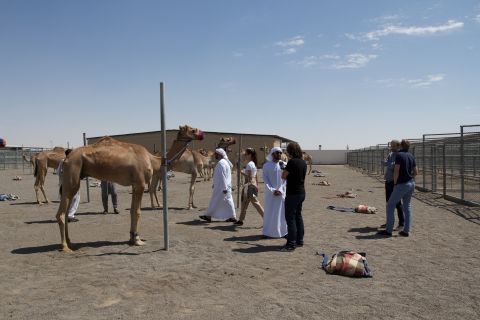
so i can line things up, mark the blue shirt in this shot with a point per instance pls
(407, 162)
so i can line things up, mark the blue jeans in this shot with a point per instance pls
(293, 216)
(404, 192)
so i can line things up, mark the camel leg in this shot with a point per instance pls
(192, 190)
(137, 193)
(153, 190)
(62, 221)
(44, 194)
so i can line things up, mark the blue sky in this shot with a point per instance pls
(319, 72)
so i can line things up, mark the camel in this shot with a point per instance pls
(41, 162)
(127, 164)
(208, 163)
(308, 160)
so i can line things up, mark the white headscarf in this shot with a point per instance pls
(222, 152)
(274, 149)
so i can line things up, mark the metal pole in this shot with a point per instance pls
(462, 165)
(164, 169)
(238, 171)
(86, 179)
(423, 163)
(444, 172)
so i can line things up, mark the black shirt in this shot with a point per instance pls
(407, 162)
(297, 170)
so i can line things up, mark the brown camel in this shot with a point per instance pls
(308, 160)
(41, 162)
(208, 163)
(127, 164)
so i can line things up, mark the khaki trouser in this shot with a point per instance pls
(246, 199)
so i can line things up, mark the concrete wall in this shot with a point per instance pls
(328, 156)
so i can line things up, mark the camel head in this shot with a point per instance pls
(188, 133)
(226, 142)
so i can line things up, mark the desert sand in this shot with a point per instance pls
(217, 271)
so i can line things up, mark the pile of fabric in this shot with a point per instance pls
(9, 196)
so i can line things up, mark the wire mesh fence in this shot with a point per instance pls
(18, 158)
(448, 163)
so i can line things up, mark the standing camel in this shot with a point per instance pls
(308, 159)
(41, 162)
(179, 159)
(127, 164)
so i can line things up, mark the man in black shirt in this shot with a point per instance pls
(294, 173)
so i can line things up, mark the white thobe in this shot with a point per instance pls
(274, 224)
(72, 209)
(221, 205)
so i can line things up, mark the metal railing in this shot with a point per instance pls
(12, 158)
(448, 163)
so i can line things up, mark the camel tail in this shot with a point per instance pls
(35, 168)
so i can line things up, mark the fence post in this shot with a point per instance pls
(444, 172)
(423, 162)
(462, 165)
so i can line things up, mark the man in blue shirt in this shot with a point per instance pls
(404, 173)
(389, 164)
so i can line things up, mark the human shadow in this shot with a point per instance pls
(257, 248)
(363, 229)
(194, 223)
(41, 221)
(75, 246)
(374, 236)
(230, 228)
(255, 237)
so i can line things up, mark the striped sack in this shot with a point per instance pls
(346, 263)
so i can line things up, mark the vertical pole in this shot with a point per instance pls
(238, 171)
(86, 179)
(444, 172)
(423, 163)
(164, 169)
(462, 165)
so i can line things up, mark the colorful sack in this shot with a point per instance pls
(346, 263)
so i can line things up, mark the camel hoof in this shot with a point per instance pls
(66, 249)
(139, 242)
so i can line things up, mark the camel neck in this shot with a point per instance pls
(176, 150)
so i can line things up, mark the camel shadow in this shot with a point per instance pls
(76, 246)
(245, 238)
(257, 248)
(24, 203)
(364, 229)
(374, 236)
(41, 221)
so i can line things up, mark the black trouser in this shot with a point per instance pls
(293, 216)
(388, 192)
(108, 188)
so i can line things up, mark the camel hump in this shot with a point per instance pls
(106, 140)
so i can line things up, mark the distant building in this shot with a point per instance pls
(262, 143)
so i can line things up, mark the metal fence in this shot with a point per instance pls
(448, 163)
(13, 158)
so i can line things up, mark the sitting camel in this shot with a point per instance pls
(127, 164)
(41, 162)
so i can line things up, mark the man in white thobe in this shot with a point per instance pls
(221, 205)
(76, 198)
(274, 223)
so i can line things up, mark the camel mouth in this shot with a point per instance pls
(199, 135)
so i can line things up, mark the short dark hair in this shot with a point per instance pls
(294, 150)
(405, 144)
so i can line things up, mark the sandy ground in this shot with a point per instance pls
(216, 271)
